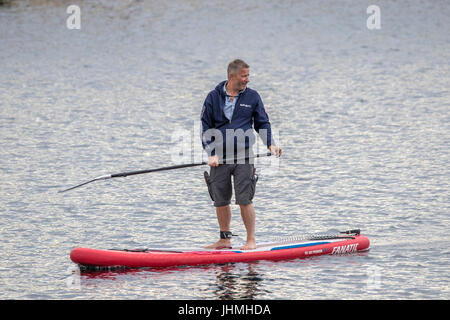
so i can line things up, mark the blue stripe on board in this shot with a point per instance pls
(299, 245)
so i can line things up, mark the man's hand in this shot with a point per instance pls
(213, 161)
(275, 150)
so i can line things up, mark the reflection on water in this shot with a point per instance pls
(242, 281)
(231, 285)
(232, 281)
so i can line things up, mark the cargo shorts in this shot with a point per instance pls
(220, 186)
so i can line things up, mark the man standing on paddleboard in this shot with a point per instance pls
(230, 113)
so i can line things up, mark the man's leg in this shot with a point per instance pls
(221, 189)
(244, 185)
(224, 219)
(248, 216)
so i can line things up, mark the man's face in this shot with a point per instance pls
(241, 79)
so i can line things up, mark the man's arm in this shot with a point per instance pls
(208, 123)
(264, 129)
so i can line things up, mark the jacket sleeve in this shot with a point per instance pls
(262, 123)
(207, 123)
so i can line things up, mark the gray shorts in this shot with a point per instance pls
(220, 188)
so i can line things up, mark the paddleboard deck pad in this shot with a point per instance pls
(290, 248)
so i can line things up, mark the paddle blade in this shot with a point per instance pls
(84, 183)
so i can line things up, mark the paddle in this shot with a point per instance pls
(179, 166)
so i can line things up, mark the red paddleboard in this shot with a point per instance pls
(296, 247)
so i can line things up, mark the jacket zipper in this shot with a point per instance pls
(235, 106)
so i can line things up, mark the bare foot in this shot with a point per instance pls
(249, 245)
(221, 244)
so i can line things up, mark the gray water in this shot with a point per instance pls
(363, 117)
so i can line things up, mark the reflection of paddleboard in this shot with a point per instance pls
(291, 248)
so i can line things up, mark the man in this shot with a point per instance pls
(229, 113)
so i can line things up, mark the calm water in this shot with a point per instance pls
(363, 117)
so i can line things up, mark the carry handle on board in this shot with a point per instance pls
(354, 231)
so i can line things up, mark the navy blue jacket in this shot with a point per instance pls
(248, 113)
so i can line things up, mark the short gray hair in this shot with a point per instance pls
(236, 65)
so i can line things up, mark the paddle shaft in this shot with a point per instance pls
(179, 166)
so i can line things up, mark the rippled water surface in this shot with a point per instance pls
(363, 117)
